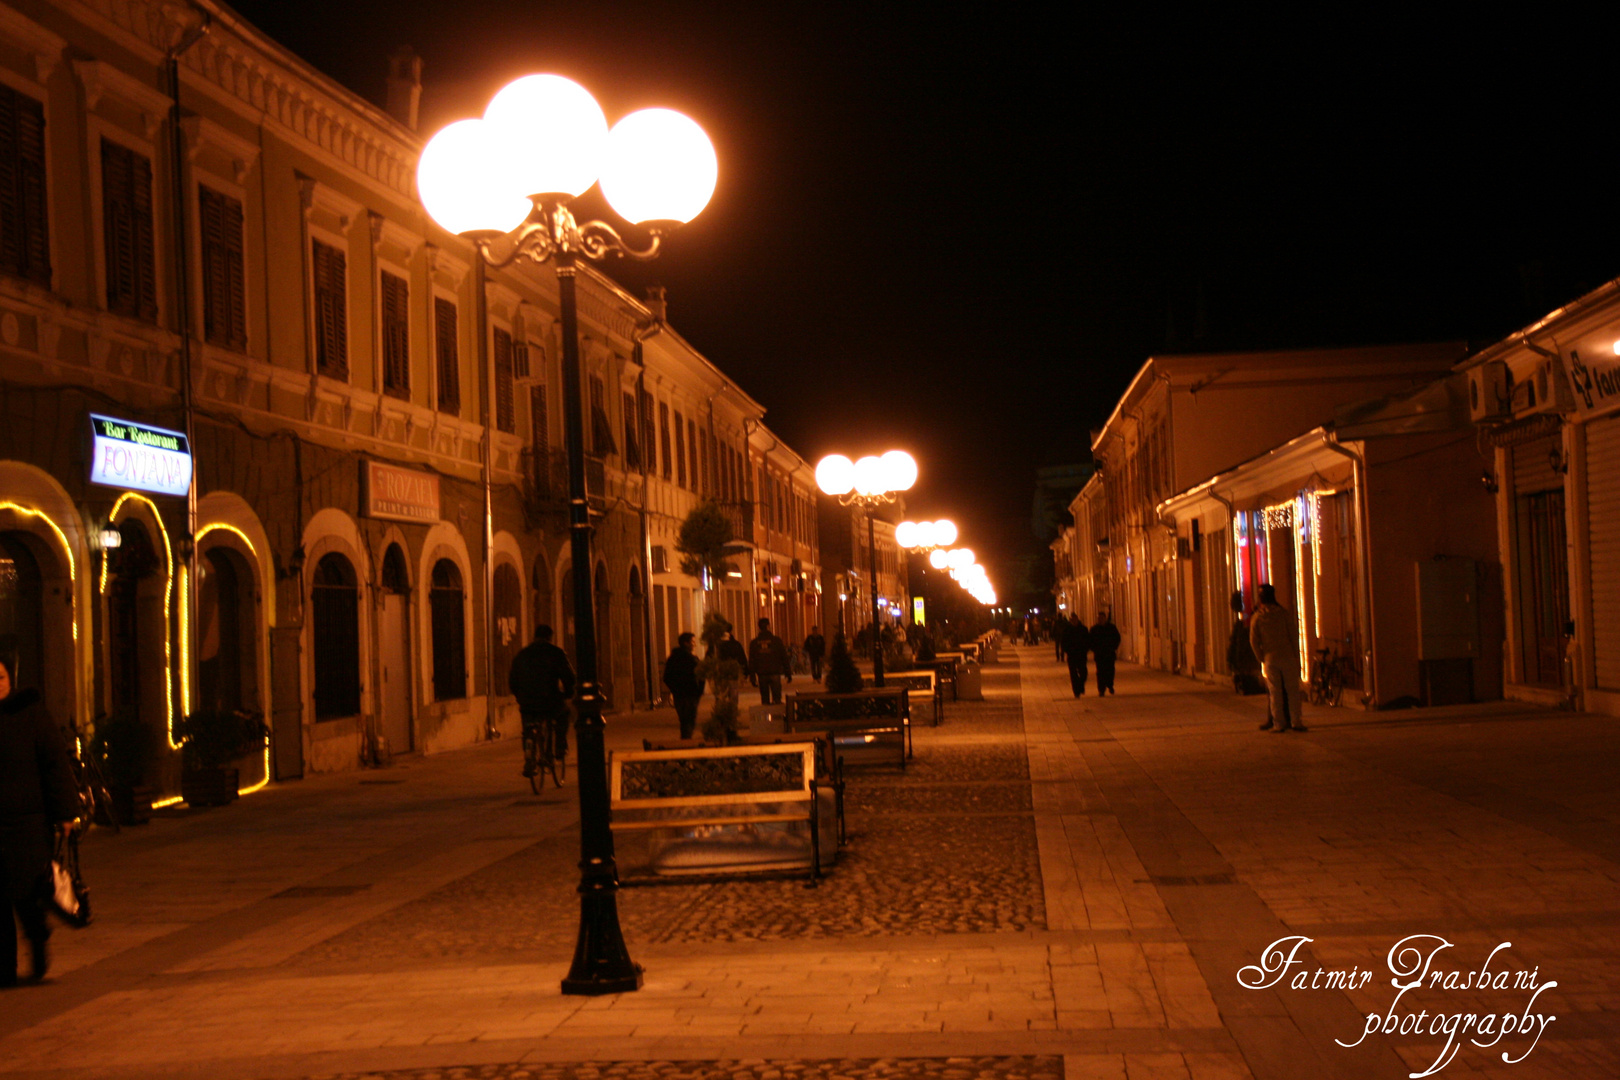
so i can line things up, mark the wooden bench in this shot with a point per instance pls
(922, 680)
(867, 727)
(731, 809)
(829, 766)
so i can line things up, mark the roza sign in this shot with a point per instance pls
(139, 457)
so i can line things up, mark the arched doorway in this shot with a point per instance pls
(508, 609)
(227, 638)
(447, 607)
(136, 629)
(394, 644)
(638, 636)
(335, 641)
(22, 611)
(604, 634)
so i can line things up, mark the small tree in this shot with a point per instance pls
(702, 540)
(724, 677)
(843, 677)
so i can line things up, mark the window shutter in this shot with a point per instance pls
(649, 430)
(224, 294)
(520, 359)
(505, 408)
(680, 449)
(330, 271)
(118, 227)
(601, 434)
(145, 272)
(396, 313)
(444, 341)
(25, 248)
(539, 427)
(632, 445)
(235, 273)
(666, 463)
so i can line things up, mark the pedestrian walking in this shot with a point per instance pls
(542, 680)
(1104, 648)
(1275, 637)
(1061, 633)
(768, 664)
(1076, 643)
(37, 798)
(680, 675)
(815, 650)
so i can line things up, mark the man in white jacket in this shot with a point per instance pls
(1275, 637)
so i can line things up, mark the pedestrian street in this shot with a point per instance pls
(1054, 887)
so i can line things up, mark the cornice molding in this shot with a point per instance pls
(43, 45)
(102, 80)
(203, 134)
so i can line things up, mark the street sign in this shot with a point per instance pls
(395, 494)
(139, 457)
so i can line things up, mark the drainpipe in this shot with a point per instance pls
(1330, 441)
(641, 334)
(182, 253)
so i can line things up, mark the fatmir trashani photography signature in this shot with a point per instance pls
(1413, 965)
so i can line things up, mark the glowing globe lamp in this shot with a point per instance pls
(553, 132)
(939, 559)
(465, 184)
(899, 471)
(944, 533)
(869, 476)
(659, 166)
(835, 474)
(905, 534)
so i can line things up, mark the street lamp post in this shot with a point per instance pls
(505, 183)
(868, 483)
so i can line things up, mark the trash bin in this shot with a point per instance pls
(968, 686)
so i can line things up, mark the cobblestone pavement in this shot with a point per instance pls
(1054, 886)
(959, 1068)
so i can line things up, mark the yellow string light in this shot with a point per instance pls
(220, 526)
(67, 549)
(168, 602)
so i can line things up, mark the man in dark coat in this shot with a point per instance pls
(1105, 647)
(1076, 643)
(680, 675)
(815, 649)
(768, 664)
(37, 793)
(542, 680)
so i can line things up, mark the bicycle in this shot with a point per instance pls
(1329, 673)
(95, 797)
(540, 751)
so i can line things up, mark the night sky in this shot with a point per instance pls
(961, 229)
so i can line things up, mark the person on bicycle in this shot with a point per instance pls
(37, 793)
(542, 680)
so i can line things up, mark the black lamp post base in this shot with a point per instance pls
(604, 984)
(602, 964)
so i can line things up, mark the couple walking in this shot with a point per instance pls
(1101, 640)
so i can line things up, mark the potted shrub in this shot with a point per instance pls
(843, 677)
(724, 676)
(126, 750)
(211, 744)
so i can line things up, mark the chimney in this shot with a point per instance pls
(657, 304)
(405, 85)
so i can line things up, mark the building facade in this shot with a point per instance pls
(1547, 404)
(213, 267)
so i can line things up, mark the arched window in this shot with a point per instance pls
(335, 608)
(447, 606)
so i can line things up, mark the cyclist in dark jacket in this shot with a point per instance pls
(37, 793)
(542, 680)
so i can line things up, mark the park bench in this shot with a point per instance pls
(945, 665)
(725, 810)
(829, 766)
(866, 727)
(919, 681)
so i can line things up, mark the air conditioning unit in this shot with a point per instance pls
(1552, 393)
(660, 559)
(1490, 392)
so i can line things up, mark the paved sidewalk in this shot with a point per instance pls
(1055, 887)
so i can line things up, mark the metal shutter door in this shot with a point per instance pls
(1532, 466)
(1603, 538)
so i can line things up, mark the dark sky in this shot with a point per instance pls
(960, 228)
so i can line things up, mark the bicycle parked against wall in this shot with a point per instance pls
(544, 750)
(1329, 674)
(94, 795)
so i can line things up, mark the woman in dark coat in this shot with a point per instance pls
(36, 793)
(1104, 648)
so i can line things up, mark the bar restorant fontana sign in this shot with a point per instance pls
(1594, 376)
(139, 457)
(396, 494)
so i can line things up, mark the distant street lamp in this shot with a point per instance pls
(869, 483)
(923, 536)
(504, 183)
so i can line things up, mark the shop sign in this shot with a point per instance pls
(139, 457)
(1594, 376)
(396, 494)
(918, 613)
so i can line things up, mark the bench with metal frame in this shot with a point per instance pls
(944, 666)
(867, 726)
(922, 680)
(714, 788)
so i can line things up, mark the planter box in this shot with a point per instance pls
(209, 787)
